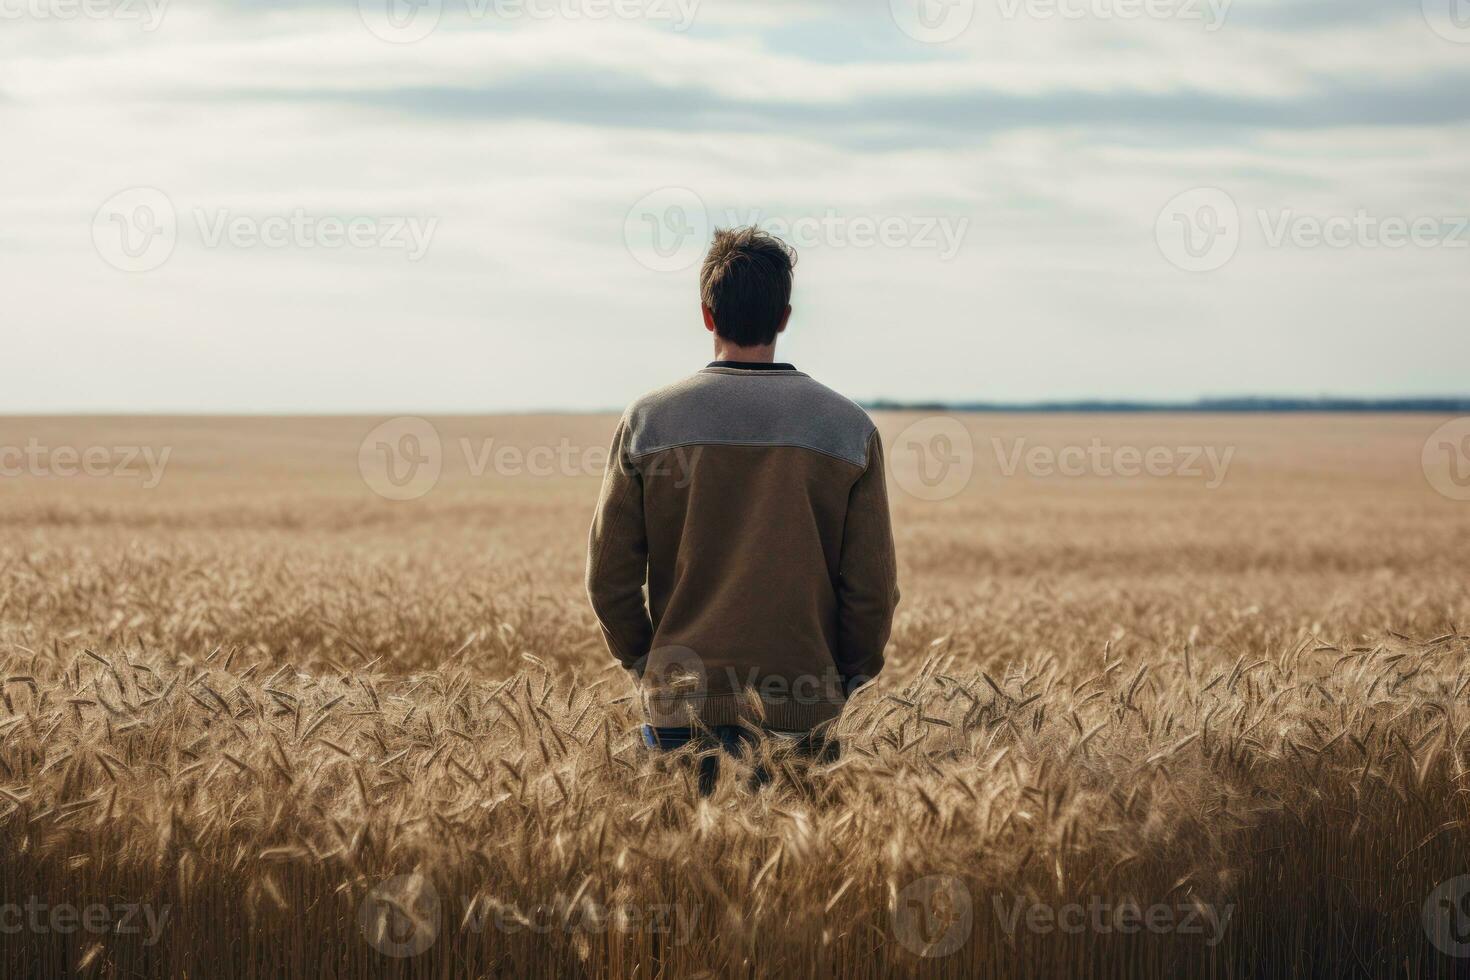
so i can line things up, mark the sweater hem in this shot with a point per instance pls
(736, 709)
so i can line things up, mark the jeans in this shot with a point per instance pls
(733, 740)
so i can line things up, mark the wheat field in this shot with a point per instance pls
(258, 720)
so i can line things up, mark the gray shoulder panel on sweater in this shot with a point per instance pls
(750, 408)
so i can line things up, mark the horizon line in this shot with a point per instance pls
(1265, 404)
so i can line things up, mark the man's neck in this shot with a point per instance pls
(744, 355)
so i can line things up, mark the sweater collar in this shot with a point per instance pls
(752, 366)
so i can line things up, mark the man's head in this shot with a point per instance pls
(745, 286)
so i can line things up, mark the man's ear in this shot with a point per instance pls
(709, 318)
(785, 319)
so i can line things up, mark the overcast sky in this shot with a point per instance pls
(480, 205)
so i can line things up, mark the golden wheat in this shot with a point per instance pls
(275, 726)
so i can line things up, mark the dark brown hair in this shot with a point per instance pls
(746, 283)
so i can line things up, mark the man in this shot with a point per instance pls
(749, 501)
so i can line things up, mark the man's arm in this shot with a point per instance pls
(867, 587)
(617, 559)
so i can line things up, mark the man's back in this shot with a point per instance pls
(750, 501)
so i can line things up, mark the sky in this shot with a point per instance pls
(500, 205)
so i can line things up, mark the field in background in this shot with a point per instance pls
(304, 730)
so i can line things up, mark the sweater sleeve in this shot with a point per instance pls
(867, 588)
(617, 559)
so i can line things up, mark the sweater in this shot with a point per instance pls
(741, 562)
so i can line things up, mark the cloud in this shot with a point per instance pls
(888, 122)
(1055, 141)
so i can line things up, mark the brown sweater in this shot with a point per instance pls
(741, 561)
